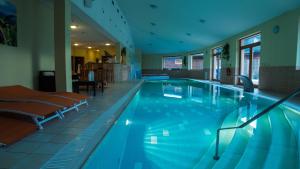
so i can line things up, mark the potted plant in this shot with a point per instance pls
(225, 52)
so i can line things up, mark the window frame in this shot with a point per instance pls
(163, 62)
(191, 61)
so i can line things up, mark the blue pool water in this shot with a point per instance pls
(170, 124)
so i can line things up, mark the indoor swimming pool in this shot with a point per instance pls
(171, 124)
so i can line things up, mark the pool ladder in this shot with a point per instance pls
(257, 116)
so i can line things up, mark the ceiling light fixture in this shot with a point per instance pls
(153, 24)
(73, 27)
(76, 44)
(107, 44)
(98, 50)
(153, 6)
(89, 47)
(202, 20)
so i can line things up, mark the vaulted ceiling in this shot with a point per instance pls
(168, 26)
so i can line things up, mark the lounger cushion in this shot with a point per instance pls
(13, 128)
(30, 109)
(70, 95)
(21, 92)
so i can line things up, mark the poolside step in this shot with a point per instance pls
(293, 117)
(283, 149)
(258, 146)
(235, 149)
(270, 142)
(207, 160)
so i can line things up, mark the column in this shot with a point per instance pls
(118, 52)
(62, 45)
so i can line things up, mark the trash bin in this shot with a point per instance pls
(47, 81)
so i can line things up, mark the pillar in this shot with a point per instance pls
(118, 52)
(62, 45)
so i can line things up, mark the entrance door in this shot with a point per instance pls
(250, 50)
(217, 64)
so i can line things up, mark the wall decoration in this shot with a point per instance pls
(8, 23)
(184, 60)
(276, 29)
(88, 3)
(123, 55)
(225, 51)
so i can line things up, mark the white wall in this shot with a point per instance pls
(19, 65)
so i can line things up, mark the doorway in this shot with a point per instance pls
(216, 63)
(250, 52)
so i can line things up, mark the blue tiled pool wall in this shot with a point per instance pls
(113, 146)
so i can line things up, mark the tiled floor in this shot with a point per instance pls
(33, 151)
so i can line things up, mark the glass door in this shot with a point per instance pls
(245, 62)
(217, 64)
(250, 50)
(255, 64)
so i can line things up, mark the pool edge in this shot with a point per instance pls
(76, 152)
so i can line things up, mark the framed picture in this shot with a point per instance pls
(8, 23)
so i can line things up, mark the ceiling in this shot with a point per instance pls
(169, 26)
(87, 35)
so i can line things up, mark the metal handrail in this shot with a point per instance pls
(247, 83)
(293, 94)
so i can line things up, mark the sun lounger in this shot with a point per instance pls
(81, 99)
(38, 112)
(14, 128)
(22, 91)
(23, 94)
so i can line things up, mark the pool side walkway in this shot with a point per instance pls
(35, 150)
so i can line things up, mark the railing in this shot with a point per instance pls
(293, 94)
(247, 83)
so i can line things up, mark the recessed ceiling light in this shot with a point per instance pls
(73, 27)
(98, 50)
(76, 44)
(89, 47)
(153, 6)
(202, 20)
(107, 44)
(153, 24)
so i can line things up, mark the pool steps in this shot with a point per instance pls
(258, 146)
(206, 160)
(272, 144)
(293, 117)
(283, 148)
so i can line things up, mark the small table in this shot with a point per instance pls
(78, 83)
